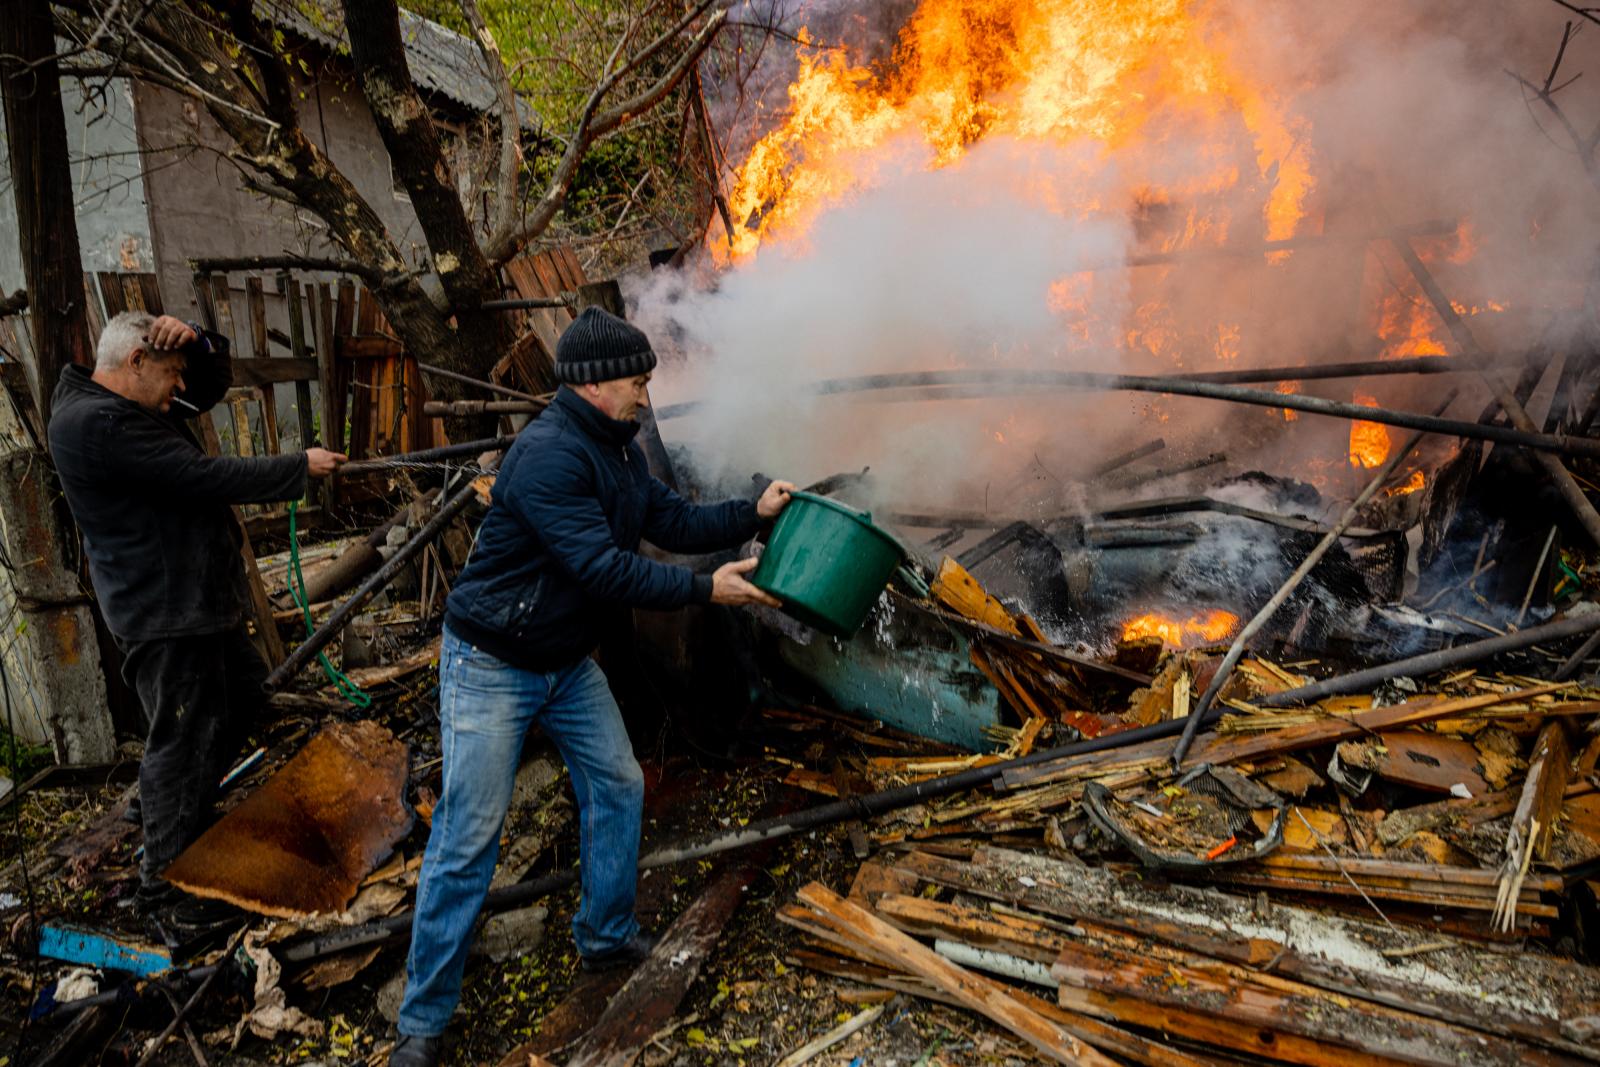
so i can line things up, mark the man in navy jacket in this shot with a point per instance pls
(163, 552)
(557, 553)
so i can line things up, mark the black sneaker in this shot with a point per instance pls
(629, 954)
(151, 897)
(415, 1051)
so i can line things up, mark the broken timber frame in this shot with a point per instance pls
(1570, 492)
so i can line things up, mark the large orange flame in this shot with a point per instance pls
(1369, 441)
(1205, 628)
(1112, 72)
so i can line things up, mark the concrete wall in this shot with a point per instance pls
(200, 206)
(113, 219)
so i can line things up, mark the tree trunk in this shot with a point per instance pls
(42, 183)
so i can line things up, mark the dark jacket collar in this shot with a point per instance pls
(593, 421)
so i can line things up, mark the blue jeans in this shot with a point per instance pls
(485, 709)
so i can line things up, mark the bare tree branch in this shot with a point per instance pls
(510, 125)
(1585, 12)
(592, 125)
(1584, 147)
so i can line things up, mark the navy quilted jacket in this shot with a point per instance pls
(558, 550)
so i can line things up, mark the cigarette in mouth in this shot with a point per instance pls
(185, 403)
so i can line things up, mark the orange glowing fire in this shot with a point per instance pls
(1409, 486)
(1206, 628)
(1369, 441)
(1098, 71)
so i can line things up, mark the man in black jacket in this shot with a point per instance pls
(164, 557)
(557, 553)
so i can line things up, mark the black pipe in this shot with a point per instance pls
(1429, 662)
(376, 581)
(493, 387)
(527, 305)
(427, 455)
(1084, 380)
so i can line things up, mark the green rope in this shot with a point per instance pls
(297, 589)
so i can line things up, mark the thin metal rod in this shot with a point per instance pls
(427, 455)
(1270, 608)
(1533, 581)
(366, 590)
(465, 379)
(1430, 662)
(1093, 382)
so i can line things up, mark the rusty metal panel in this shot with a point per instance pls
(302, 843)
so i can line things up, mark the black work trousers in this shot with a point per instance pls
(201, 695)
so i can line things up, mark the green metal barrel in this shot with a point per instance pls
(827, 562)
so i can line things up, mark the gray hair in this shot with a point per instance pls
(126, 331)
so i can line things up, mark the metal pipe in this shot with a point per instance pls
(464, 379)
(529, 305)
(441, 408)
(379, 578)
(427, 455)
(1429, 662)
(1089, 381)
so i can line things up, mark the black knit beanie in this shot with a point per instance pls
(599, 347)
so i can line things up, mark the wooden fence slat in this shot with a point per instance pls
(260, 348)
(328, 380)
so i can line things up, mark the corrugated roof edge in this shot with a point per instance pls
(442, 61)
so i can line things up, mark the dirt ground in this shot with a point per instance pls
(750, 1004)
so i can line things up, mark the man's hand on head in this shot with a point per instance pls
(730, 586)
(168, 334)
(774, 499)
(320, 462)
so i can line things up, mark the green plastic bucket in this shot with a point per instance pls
(827, 562)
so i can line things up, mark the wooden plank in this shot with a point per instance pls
(111, 293)
(256, 328)
(1246, 999)
(973, 991)
(330, 388)
(263, 372)
(1418, 759)
(651, 997)
(367, 346)
(344, 318)
(133, 293)
(574, 270)
(1215, 748)
(150, 292)
(1134, 1047)
(1082, 894)
(1529, 834)
(305, 415)
(93, 307)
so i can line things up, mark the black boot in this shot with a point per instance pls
(629, 954)
(415, 1051)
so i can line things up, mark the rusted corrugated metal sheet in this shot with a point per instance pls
(302, 843)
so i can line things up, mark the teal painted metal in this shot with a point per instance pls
(907, 668)
(78, 944)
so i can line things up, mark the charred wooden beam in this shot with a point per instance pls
(1565, 484)
(1528, 836)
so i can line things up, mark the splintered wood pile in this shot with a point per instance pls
(1374, 878)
